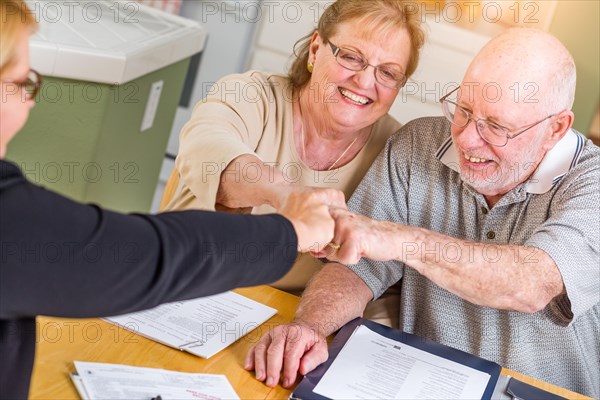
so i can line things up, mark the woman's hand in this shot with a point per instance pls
(311, 219)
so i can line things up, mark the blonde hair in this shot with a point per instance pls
(378, 15)
(15, 17)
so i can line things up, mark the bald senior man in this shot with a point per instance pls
(486, 218)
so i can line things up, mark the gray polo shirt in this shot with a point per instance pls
(415, 181)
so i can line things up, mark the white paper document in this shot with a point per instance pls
(202, 326)
(372, 366)
(99, 381)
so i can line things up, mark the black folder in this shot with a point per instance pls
(304, 391)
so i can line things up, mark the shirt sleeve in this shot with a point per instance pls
(382, 195)
(62, 258)
(227, 123)
(571, 237)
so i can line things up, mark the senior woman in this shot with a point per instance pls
(158, 267)
(258, 137)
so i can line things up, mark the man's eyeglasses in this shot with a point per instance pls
(491, 132)
(389, 75)
(31, 85)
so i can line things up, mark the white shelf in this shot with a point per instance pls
(109, 41)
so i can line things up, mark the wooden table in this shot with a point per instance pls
(62, 341)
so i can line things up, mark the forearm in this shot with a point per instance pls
(249, 182)
(163, 258)
(508, 277)
(335, 296)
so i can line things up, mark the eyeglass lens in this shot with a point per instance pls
(490, 132)
(32, 84)
(387, 75)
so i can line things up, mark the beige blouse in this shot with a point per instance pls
(251, 113)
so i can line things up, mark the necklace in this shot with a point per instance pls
(304, 147)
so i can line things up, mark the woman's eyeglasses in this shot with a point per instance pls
(31, 85)
(389, 75)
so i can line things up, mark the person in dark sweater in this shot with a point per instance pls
(61, 258)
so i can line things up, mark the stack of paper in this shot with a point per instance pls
(202, 326)
(112, 381)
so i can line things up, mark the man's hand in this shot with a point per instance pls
(311, 219)
(357, 236)
(333, 297)
(293, 348)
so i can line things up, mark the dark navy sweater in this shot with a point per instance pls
(64, 259)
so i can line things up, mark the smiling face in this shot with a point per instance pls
(508, 84)
(354, 99)
(491, 170)
(14, 106)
